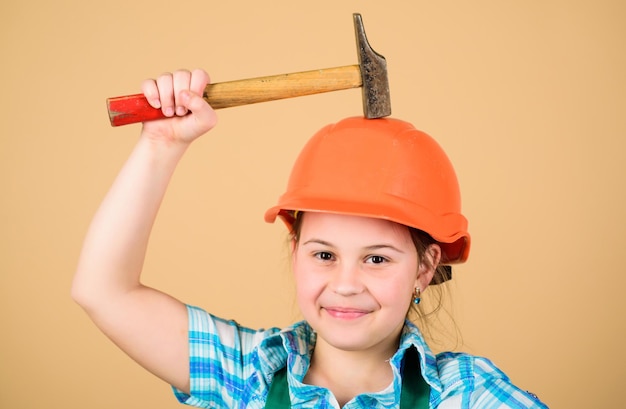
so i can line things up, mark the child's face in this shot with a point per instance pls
(355, 278)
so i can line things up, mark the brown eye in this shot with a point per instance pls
(376, 259)
(324, 255)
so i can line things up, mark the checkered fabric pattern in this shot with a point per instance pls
(232, 367)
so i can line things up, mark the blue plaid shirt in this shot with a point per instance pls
(232, 367)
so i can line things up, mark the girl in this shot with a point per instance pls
(373, 208)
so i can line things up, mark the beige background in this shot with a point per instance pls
(528, 99)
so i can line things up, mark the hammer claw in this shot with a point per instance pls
(376, 98)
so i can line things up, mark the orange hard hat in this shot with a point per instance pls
(381, 168)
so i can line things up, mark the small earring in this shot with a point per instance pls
(417, 296)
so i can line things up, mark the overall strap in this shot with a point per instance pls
(415, 391)
(278, 396)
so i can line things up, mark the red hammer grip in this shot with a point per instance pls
(131, 109)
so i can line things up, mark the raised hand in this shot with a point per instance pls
(179, 96)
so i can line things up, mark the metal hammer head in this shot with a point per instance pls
(376, 100)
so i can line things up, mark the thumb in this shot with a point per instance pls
(202, 117)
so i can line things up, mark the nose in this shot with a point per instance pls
(346, 280)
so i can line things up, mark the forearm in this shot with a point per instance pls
(149, 325)
(114, 248)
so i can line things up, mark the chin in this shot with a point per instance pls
(351, 345)
(348, 338)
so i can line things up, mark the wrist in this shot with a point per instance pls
(162, 149)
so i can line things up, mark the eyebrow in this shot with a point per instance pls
(368, 248)
(317, 241)
(384, 246)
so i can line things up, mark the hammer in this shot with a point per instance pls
(370, 74)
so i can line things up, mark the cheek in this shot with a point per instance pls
(308, 292)
(390, 292)
(308, 286)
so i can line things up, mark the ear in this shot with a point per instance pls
(427, 266)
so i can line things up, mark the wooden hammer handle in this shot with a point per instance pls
(135, 108)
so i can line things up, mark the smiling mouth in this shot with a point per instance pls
(345, 313)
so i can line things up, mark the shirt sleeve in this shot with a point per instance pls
(220, 360)
(474, 382)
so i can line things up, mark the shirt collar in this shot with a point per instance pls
(412, 337)
(293, 346)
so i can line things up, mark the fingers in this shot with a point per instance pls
(151, 92)
(181, 80)
(176, 94)
(165, 85)
(165, 91)
(199, 81)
